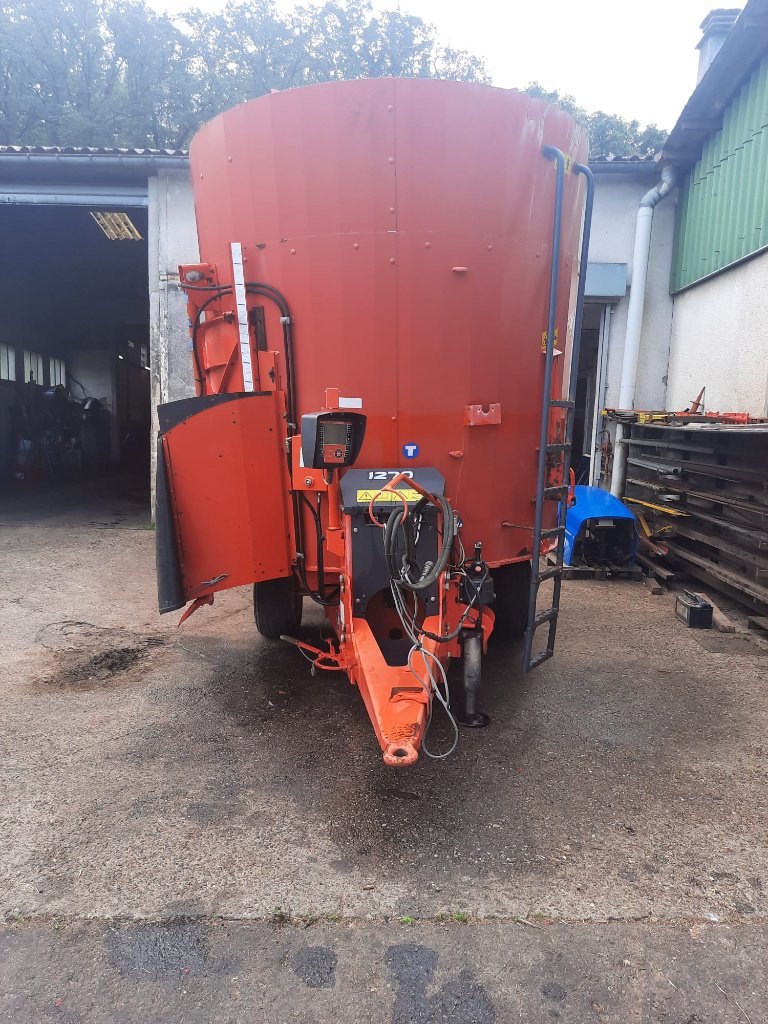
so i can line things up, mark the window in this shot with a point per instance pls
(7, 362)
(33, 367)
(58, 372)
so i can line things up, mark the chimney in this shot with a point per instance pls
(715, 28)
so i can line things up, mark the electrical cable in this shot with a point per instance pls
(320, 597)
(402, 581)
(434, 690)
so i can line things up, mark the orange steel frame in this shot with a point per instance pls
(417, 281)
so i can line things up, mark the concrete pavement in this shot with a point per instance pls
(198, 795)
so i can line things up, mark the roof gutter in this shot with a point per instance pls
(149, 164)
(640, 259)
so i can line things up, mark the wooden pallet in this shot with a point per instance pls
(589, 572)
(715, 479)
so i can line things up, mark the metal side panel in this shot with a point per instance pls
(226, 495)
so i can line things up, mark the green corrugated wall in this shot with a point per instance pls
(722, 212)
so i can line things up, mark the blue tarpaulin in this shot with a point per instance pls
(592, 503)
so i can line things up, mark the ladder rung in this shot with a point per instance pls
(558, 447)
(543, 656)
(549, 574)
(547, 616)
(555, 531)
(554, 491)
(562, 404)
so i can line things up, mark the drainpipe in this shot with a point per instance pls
(635, 318)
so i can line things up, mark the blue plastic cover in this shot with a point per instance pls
(591, 503)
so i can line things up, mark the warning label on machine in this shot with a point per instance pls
(383, 496)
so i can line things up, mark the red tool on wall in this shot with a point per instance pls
(382, 352)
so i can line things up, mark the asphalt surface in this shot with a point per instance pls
(195, 828)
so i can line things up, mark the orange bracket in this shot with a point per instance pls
(477, 416)
(336, 660)
(197, 603)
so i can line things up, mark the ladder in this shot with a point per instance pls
(546, 491)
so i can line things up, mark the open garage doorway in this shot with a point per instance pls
(75, 414)
(590, 393)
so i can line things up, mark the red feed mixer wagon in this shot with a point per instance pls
(384, 331)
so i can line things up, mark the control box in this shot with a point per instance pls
(331, 440)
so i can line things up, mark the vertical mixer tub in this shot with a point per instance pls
(408, 249)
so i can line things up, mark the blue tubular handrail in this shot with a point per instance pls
(551, 153)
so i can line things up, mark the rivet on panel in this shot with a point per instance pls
(355, 245)
(391, 259)
(293, 252)
(229, 158)
(391, 209)
(390, 159)
(427, 245)
(390, 106)
(490, 248)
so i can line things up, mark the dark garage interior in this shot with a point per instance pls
(74, 355)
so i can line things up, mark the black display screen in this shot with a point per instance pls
(335, 432)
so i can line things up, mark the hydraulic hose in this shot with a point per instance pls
(402, 574)
(269, 292)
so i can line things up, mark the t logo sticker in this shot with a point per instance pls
(410, 451)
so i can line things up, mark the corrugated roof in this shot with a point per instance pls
(744, 46)
(114, 151)
(624, 159)
(637, 168)
(89, 151)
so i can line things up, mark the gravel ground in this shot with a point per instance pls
(194, 797)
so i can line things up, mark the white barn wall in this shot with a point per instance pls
(719, 341)
(612, 241)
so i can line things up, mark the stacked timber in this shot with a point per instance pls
(703, 491)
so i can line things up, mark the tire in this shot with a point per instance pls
(277, 607)
(512, 584)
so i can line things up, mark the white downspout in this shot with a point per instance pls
(635, 317)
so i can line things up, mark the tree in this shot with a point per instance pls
(609, 135)
(110, 73)
(116, 73)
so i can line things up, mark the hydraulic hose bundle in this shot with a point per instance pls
(402, 519)
(400, 536)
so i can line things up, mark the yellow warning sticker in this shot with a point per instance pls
(367, 496)
(567, 162)
(544, 339)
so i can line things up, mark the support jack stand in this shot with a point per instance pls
(472, 644)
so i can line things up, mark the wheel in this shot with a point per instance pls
(277, 607)
(512, 584)
(472, 652)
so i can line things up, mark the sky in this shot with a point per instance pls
(635, 58)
